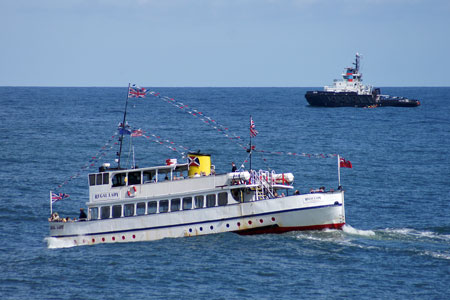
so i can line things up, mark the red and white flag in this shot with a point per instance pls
(171, 161)
(345, 163)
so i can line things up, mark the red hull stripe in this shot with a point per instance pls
(286, 229)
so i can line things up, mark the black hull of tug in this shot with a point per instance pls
(340, 99)
(352, 99)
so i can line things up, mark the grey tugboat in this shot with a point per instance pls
(351, 92)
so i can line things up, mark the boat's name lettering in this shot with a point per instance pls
(57, 227)
(313, 198)
(106, 195)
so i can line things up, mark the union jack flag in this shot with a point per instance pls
(59, 196)
(137, 132)
(136, 92)
(253, 131)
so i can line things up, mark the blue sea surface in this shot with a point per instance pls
(396, 243)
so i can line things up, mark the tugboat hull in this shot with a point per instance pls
(339, 99)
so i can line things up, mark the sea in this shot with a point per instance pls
(395, 244)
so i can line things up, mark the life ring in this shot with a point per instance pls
(132, 191)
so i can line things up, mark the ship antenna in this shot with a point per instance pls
(122, 127)
(357, 62)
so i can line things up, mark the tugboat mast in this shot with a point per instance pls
(356, 63)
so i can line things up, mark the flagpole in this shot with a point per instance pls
(339, 171)
(250, 143)
(51, 204)
(123, 127)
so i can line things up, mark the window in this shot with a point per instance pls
(140, 209)
(128, 210)
(199, 201)
(163, 206)
(223, 198)
(93, 212)
(149, 176)
(99, 179)
(152, 206)
(187, 203)
(210, 200)
(134, 178)
(119, 179)
(91, 179)
(105, 178)
(175, 204)
(237, 194)
(117, 211)
(105, 212)
(163, 175)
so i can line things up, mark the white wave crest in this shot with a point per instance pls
(417, 234)
(353, 231)
(54, 243)
(437, 255)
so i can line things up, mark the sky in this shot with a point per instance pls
(223, 43)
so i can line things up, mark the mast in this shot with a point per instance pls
(250, 149)
(251, 135)
(357, 63)
(123, 128)
(339, 171)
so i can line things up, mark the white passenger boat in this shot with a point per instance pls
(190, 199)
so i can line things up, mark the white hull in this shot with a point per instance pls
(297, 212)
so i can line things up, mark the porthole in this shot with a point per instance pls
(250, 222)
(201, 228)
(261, 221)
(211, 227)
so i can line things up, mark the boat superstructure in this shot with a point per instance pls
(166, 201)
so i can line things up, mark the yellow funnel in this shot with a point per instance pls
(199, 164)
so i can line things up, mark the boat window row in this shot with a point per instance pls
(158, 206)
(139, 177)
(98, 179)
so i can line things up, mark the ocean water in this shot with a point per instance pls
(396, 243)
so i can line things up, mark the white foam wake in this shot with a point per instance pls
(54, 243)
(353, 231)
(408, 233)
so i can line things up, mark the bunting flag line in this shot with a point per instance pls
(159, 140)
(222, 129)
(101, 153)
(202, 117)
(253, 131)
